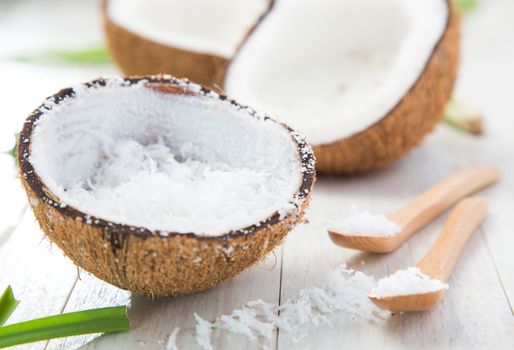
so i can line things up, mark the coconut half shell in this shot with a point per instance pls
(157, 263)
(364, 86)
(405, 126)
(137, 54)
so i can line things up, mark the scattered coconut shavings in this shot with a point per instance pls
(408, 281)
(172, 340)
(203, 333)
(248, 321)
(368, 224)
(344, 290)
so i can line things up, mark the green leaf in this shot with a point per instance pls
(463, 117)
(103, 320)
(7, 305)
(466, 5)
(13, 152)
(93, 55)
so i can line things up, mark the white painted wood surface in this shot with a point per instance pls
(477, 311)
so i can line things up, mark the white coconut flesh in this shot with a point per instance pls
(207, 26)
(166, 162)
(333, 68)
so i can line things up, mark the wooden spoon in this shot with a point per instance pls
(439, 262)
(421, 210)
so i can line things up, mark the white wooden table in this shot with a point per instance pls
(477, 311)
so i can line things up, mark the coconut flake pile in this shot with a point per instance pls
(344, 290)
(367, 224)
(180, 163)
(408, 281)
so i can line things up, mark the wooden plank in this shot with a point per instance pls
(154, 319)
(486, 79)
(41, 277)
(465, 319)
(89, 293)
(12, 199)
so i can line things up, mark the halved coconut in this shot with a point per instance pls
(195, 39)
(363, 80)
(161, 186)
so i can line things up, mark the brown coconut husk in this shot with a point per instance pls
(136, 259)
(419, 111)
(136, 55)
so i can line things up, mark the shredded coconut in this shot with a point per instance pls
(368, 224)
(130, 155)
(211, 197)
(172, 340)
(344, 290)
(203, 333)
(408, 281)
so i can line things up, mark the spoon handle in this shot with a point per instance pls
(462, 222)
(440, 197)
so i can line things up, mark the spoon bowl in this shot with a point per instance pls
(421, 211)
(409, 302)
(373, 244)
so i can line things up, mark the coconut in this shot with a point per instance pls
(195, 39)
(364, 84)
(363, 80)
(161, 186)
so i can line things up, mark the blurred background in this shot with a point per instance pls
(44, 46)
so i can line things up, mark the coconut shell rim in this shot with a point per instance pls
(249, 31)
(305, 155)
